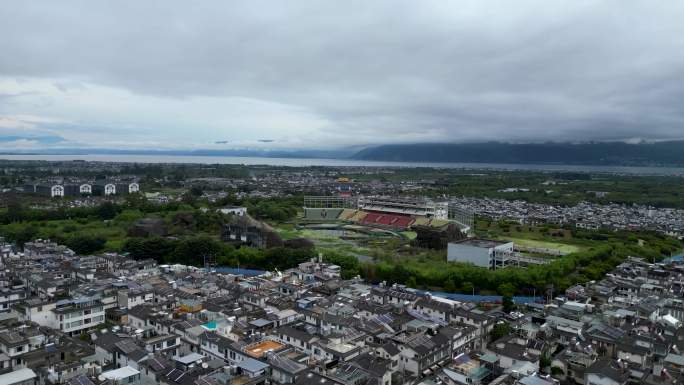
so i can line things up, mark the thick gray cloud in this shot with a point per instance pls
(328, 73)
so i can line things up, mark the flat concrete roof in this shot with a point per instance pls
(17, 376)
(482, 243)
(121, 373)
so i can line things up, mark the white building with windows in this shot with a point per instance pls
(74, 316)
(9, 296)
(51, 190)
(109, 189)
(57, 191)
(70, 316)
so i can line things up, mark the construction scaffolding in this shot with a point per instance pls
(421, 207)
(502, 258)
(341, 202)
(462, 216)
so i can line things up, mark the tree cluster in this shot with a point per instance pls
(192, 250)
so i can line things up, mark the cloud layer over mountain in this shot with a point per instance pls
(323, 74)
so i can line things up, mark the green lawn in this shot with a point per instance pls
(409, 234)
(286, 230)
(533, 243)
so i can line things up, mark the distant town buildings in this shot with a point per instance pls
(75, 189)
(584, 215)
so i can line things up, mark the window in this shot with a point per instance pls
(20, 348)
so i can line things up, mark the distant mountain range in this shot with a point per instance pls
(669, 153)
(300, 154)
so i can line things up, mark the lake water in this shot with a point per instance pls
(305, 162)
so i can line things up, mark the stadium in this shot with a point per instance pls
(393, 213)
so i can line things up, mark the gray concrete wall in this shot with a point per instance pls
(457, 252)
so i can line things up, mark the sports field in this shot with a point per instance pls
(532, 243)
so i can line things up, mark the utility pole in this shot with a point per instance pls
(209, 262)
(549, 292)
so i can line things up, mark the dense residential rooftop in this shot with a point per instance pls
(583, 215)
(162, 327)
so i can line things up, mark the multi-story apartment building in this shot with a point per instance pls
(71, 316)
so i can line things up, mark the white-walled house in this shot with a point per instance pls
(69, 316)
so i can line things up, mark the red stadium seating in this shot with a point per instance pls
(389, 220)
(386, 220)
(371, 218)
(403, 222)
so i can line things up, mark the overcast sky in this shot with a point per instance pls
(323, 74)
